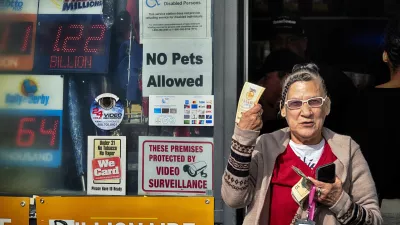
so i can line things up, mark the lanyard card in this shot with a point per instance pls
(311, 203)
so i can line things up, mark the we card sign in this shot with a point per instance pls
(104, 169)
(106, 165)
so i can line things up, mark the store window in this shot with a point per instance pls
(106, 94)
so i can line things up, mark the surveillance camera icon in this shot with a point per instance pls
(195, 168)
(62, 222)
(107, 100)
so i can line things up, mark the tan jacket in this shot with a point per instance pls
(246, 180)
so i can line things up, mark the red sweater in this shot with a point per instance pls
(283, 206)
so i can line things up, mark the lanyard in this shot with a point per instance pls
(311, 204)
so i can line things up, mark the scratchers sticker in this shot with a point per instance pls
(250, 95)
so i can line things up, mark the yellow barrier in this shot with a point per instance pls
(125, 210)
(14, 210)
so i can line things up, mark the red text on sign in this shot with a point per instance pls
(165, 170)
(96, 111)
(71, 62)
(176, 148)
(158, 148)
(191, 158)
(172, 183)
(186, 148)
(166, 158)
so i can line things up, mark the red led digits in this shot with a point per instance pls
(15, 38)
(77, 37)
(26, 38)
(75, 45)
(73, 38)
(4, 39)
(52, 132)
(26, 137)
(56, 48)
(25, 132)
(102, 27)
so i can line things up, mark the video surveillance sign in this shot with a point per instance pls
(175, 166)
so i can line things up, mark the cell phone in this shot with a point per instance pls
(327, 173)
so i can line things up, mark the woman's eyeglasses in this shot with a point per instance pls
(312, 102)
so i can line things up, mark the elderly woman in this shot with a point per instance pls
(259, 173)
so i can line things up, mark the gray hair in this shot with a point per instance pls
(302, 72)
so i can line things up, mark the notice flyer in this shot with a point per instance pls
(175, 166)
(177, 67)
(175, 19)
(106, 173)
(181, 110)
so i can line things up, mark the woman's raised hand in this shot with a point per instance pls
(251, 119)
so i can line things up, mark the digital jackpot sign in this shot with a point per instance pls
(17, 34)
(72, 44)
(31, 109)
(71, 37)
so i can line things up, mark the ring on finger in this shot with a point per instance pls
(319, 192)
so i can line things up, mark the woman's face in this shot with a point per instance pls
(306, 122)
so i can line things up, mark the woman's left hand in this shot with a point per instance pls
(329, 193)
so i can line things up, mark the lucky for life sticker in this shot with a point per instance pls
(107, 111)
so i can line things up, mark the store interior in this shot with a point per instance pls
(345, 34)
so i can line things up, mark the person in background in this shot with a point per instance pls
(259, 172)
(375, 120)
(391, 53)
(275, 67)
(288, 33)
